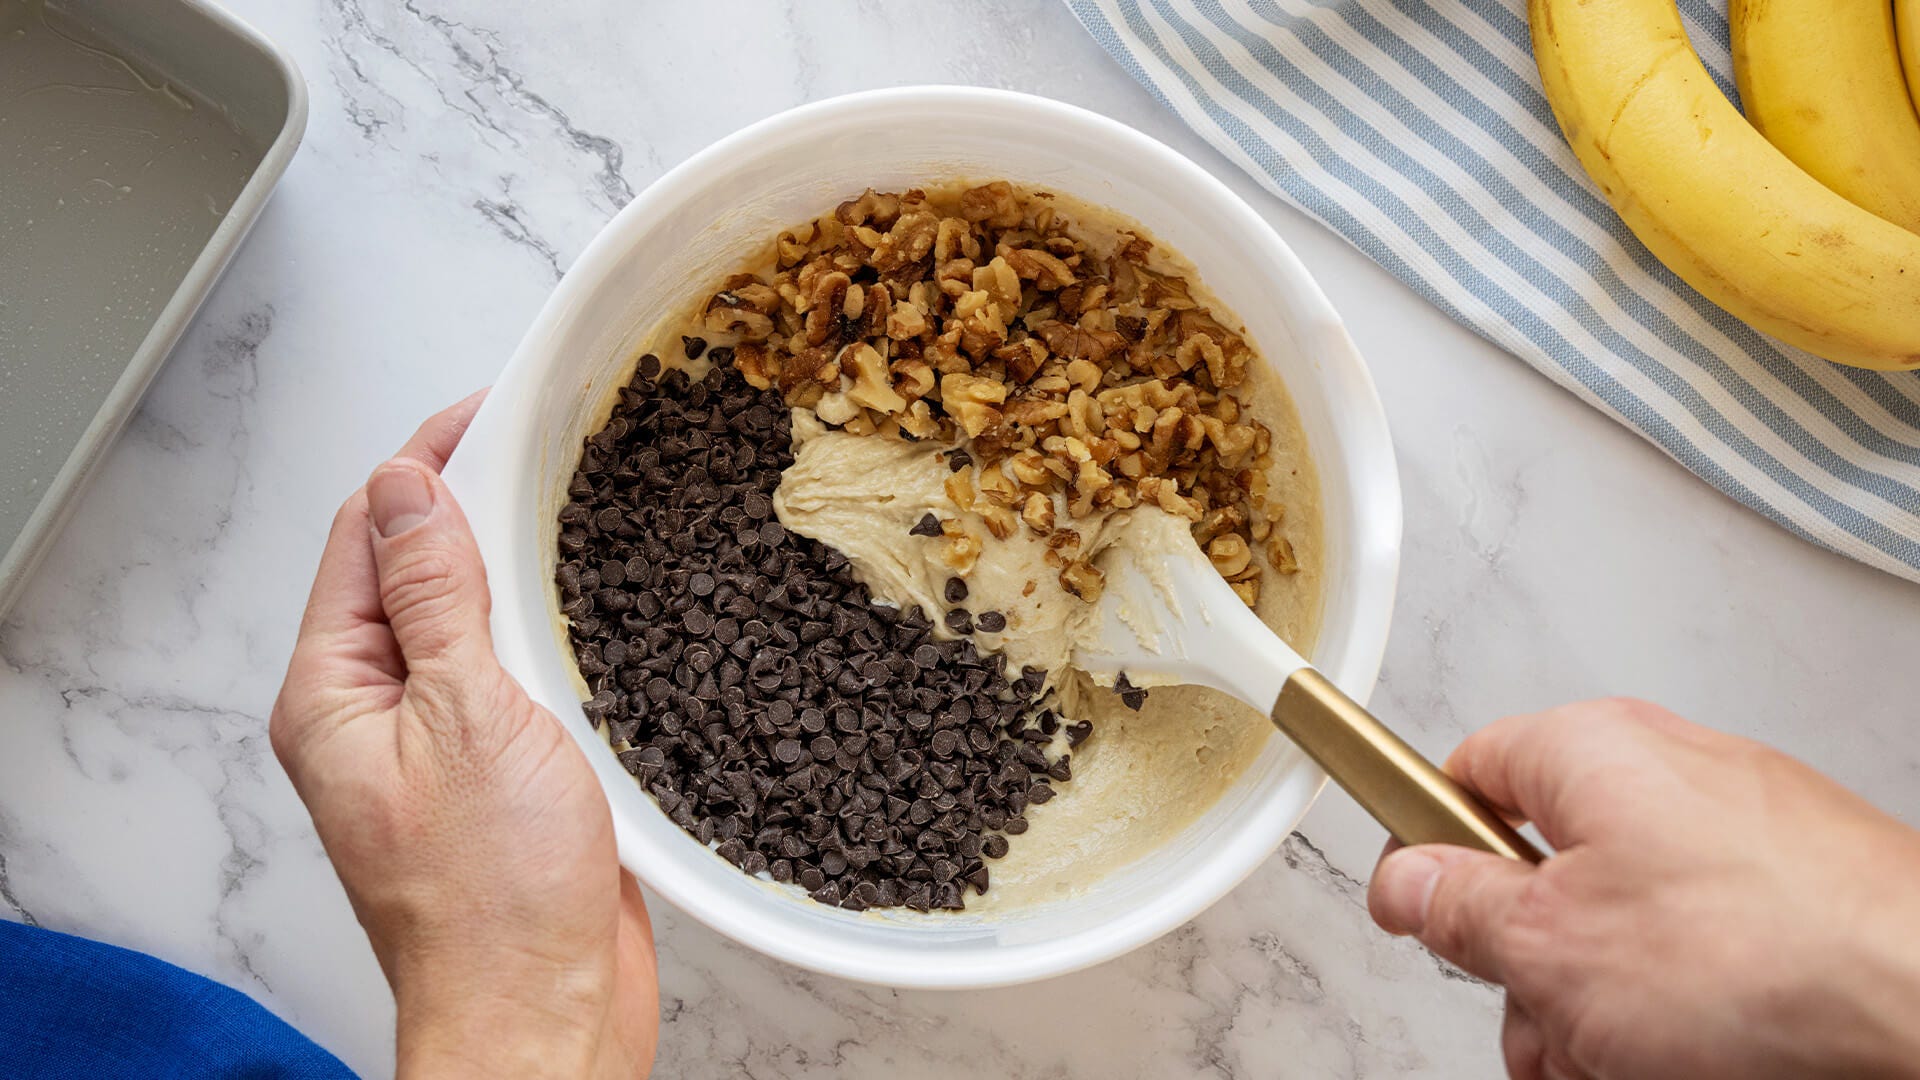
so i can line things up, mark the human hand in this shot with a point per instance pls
(472, 838)
(1714, 909)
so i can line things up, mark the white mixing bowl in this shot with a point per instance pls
(699, 222)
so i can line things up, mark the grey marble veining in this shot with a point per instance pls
(460, 154)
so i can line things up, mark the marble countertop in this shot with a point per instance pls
(460, 153)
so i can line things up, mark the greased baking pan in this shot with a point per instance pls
(138, 143)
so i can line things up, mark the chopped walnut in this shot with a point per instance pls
(1000, 520)
(1229, 555)
(835, 408)
(919, 422)
(1083, 580)
(1037, 512)
(992, 204)
(1080, 378)
(914, 380)
(1001, 285)
(1029, 467)
(752, 360)
(1218, 521)
(871, 385)
(960, 549)
(906, 321)
(1280, 556)
(1023, 358)
(871, 206)
(1248, 591)
(972, 401)
(960, 489)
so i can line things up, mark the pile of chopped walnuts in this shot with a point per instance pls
(1076, 381)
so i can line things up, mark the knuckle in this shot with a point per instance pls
(1629, 710)
(470, 717)
(1773, 771)
(1484, 742)
(423, 581)
(1451, 925)
(292, 725)
(280, 734)
(1481, 921)
(1535, 914)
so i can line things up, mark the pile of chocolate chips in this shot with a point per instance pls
(768, 704)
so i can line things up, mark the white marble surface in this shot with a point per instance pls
(460, 153)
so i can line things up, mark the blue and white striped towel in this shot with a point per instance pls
(1417, 130)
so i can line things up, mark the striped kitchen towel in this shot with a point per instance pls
(1417, 130)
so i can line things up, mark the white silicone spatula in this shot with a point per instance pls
(1176, 621)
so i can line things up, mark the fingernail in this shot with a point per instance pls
(398, 498)
(1406, 881)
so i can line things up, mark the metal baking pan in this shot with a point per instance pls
(138, 143)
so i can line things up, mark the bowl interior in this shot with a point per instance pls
(697, 224)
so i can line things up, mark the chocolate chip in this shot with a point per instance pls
(694, 346)
(956, 590)
(768, 706)
(928, 525)
(959, 620)
(991, 622)
(994, 847)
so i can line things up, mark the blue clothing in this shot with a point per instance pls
(70, 1007)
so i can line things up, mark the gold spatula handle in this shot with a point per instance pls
(1417, 802)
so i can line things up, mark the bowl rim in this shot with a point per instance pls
(1374, 549)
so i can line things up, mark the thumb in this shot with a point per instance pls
(433, 587)
(1458, 902)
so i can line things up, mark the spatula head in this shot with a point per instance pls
(1166, 617)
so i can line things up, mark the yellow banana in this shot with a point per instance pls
(1711, 198)
(1906, 16)
(1821, 80)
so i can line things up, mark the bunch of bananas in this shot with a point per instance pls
(1803, 217)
